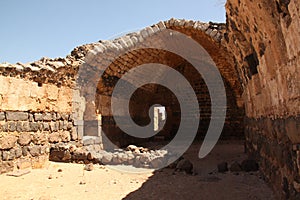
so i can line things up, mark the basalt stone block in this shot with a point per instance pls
(24, 151)
(46, 126)
(58, 116)
(8, 155)
(26, 126)
(2, 116)
(4, 127)
(61, 125)
(53, 116)
(38, 117)
(31, 118)
(19, 127)
(34, 126)
(18, 152)
(53, 126)
(5, 155)
(34, 150)
(47, 117)
(12, 126)
(17, 116)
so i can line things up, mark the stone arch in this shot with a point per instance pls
(102, 60)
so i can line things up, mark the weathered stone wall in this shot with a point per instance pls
(34, 114)
(264, 37)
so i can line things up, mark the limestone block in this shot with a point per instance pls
(24, 139)
(40, 138)
(8, 142)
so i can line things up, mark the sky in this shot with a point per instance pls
(32, 29)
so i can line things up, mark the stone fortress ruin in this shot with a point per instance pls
(45, 114)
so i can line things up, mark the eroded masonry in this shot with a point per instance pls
(45, 112)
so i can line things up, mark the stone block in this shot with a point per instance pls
(6, 166)
(65, 136)
(47, 117)
(16, 116)
(40, 138)
(34, 126)
(8, 142)
(46, 126)
(25, 151)
(53, 126)
(26, 127)
(31, 117)
(24, 139)
(2, 116)
(5, 155)
(38, 116)
(34, 150)
(88, 141)
(3, 126)
(12, 126)
(53, 116)
(18, 152)
(54, 137)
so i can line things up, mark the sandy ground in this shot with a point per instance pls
(73, 182)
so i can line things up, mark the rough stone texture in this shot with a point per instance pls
(264, 38)
(26, 143)
(2, 116)
(24, 139)
(16, 116)
(6, 166)
(24, 95)
(8, 142)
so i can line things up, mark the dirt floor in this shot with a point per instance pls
(71, 181)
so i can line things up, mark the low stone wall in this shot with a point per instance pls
(25, 137)
(34, 113)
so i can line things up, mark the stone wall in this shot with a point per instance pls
(264, 37)
(35, 112)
